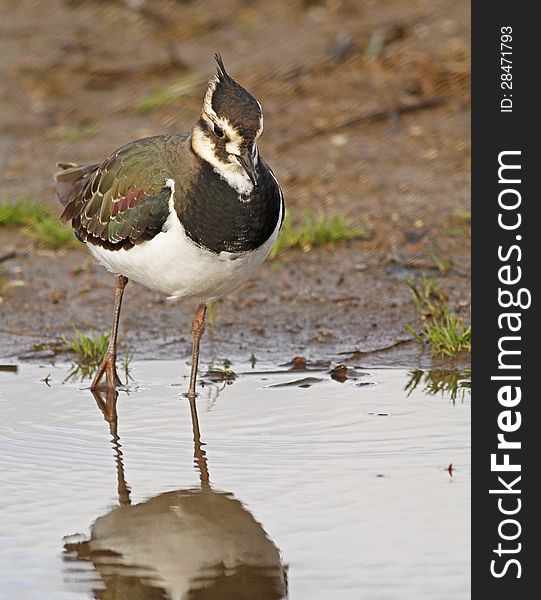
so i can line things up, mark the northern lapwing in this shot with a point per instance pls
(190, 215)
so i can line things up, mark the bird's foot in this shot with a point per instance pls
(107, 368)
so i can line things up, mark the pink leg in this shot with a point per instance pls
(108, 364)
(198, 328)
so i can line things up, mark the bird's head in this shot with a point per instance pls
(226, 134)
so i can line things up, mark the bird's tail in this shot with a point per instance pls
(70, 182)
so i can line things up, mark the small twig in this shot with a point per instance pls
(344, 299)
(384, 349)
(7, 256)
(369, 117)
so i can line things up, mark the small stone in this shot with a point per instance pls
(339, 140)
(298, 362)
(416, 130)
(431, 154)
(339, 373)
(343, 48)
(57, 296)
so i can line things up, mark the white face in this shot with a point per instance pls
(220, 130)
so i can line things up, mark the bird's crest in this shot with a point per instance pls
(223, 76)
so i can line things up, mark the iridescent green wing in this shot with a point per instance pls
(125, 200)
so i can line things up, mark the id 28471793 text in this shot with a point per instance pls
(506, 66)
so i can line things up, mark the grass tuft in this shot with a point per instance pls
(89, 349)
(444, 265)
(463, 214)
(166, 94)
(22, 213)
(38, 221)
(442, 330)
(452, 232)
(72, 133)
(315, 231)
(51, 233)
(220, 374)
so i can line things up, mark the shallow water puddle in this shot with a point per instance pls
(331, 490)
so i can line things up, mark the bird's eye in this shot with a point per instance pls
(218, 132)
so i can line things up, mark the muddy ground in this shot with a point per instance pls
(367, 113)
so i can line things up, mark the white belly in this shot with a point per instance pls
(172, 264)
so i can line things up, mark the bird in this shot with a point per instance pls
(191, 215)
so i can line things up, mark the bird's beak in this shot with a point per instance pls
(247, 160)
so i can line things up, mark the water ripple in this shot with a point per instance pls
(340, 490)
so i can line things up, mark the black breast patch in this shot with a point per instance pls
(215, 218)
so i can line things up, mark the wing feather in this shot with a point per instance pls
(121, 202)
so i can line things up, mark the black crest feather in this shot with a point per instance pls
(222, 73)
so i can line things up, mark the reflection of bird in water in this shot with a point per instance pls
(180, 545)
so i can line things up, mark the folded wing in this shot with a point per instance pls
(120, 203)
